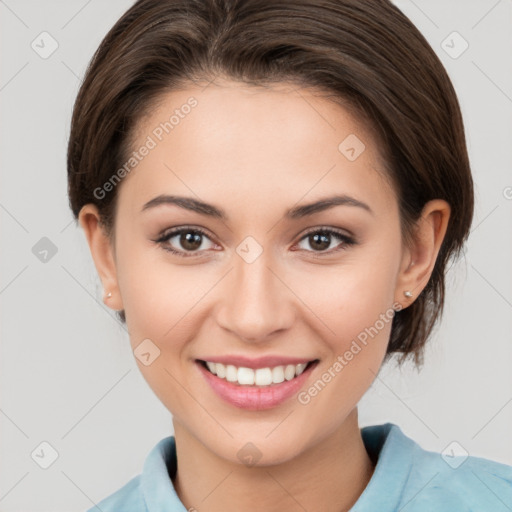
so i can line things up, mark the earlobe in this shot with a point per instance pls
(102, 253)
(421, 255)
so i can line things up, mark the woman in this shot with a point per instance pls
(271, 193)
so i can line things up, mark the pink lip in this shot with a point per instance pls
(257, 362)
(253, 397)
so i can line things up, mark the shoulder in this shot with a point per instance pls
(461, 482)
(128, 498)
(425, 480)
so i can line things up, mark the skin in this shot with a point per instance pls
(262, 151)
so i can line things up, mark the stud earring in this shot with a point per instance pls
(109, 294)
(408, 294)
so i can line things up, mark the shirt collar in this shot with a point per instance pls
(157, 487)
(392, 450)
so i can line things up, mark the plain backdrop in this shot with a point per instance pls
(68, 376)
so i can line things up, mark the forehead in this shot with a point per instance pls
(243, 144)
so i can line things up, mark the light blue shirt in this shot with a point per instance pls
(407, 478)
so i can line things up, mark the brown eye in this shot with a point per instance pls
(190, 241)
(184, 241)
(321, 239)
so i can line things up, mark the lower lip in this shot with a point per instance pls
(255, 398)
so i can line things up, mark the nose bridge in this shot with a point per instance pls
(255, 303)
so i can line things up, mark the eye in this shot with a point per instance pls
(190, 239)
(320, 239)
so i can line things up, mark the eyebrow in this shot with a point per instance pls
(297, 212)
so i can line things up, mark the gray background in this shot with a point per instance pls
(68, 376)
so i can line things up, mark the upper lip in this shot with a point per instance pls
(257, 362)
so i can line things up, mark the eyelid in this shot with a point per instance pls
(338, 231)
(168, 232)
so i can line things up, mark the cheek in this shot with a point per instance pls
(350, 297)
(159, 299)
(360, 315)
(354, 306)
(157, 294)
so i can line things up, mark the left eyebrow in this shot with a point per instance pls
(323, 204)
(297, 212)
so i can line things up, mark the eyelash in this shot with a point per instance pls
(346, 240)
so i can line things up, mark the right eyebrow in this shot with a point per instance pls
(188, 203)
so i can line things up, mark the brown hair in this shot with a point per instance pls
(364, 53)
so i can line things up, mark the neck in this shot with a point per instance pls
(330, 476)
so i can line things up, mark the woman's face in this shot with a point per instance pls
(273, 281)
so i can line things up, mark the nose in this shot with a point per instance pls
(256, 302)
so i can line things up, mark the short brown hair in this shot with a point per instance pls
(365, 53)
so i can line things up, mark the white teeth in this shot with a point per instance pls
(245, 376)
(231, 373)
(258, 377)
(221, 370)
(263, 377)
(300, 368)
(289, 372)
(278, 374)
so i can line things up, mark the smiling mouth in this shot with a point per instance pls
(259, 377)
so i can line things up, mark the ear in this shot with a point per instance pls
(103, 254)
(420, 255)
